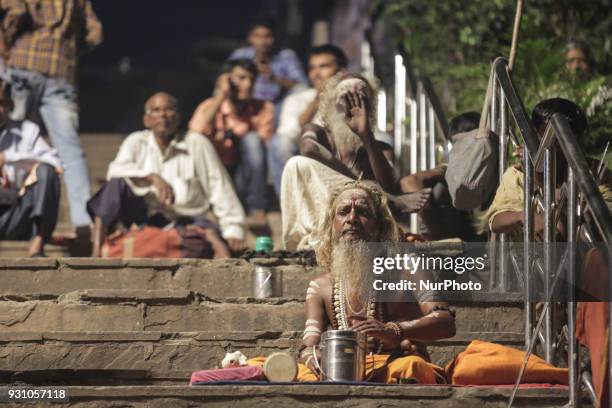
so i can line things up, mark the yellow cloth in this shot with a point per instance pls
(485, 363)
(410, 367)
(509, 197)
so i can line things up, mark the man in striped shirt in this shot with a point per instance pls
(44, 40)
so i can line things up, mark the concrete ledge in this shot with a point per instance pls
(304, 395)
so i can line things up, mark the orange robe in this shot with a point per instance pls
(414, 368)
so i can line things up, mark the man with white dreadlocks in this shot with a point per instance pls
(343, 148)
(343, 297)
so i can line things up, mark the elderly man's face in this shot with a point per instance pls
(576, 61)
(355, 217)
(161, 115)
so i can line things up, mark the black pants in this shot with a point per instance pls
(40, 202)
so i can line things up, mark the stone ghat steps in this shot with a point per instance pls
(182, 310)
(232, 277)
(307, 396)
(171, 352)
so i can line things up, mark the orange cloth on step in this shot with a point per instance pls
(592, 321)
(409, 367)
(485, 363)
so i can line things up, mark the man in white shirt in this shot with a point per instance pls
(300, 108)
(29, 182)
(161, 175)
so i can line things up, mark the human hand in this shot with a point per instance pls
(164, 190)
(309, 359)
(357, 116)
(378, 330)
(223, 85)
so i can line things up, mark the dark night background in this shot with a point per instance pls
(175, 46)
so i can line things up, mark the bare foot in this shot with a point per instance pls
(413, 202)
(36, 246)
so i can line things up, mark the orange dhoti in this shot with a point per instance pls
(412, 368)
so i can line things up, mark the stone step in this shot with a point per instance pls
(175, 351)
(182, 310)
(308, 396)
(232, 277)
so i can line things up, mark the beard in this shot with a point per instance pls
(346, 140)
(352, 264)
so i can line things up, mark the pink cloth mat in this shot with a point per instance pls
(243, 373)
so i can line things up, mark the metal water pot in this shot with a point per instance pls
(343, 355)
(267, 282)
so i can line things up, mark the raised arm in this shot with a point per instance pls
(203, 118)
(358, 119)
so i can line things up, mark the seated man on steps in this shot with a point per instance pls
(344, 148)
(240, 127)
(162, 175)
(29, 182)
(396, 331)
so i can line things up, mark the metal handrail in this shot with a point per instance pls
(515, 104)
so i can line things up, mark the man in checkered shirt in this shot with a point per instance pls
(43, 40)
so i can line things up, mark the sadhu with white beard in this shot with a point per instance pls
(396, 331)
(341, 145)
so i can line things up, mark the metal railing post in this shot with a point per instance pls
(381, 111)
(495, 249)
(432, 135)
(527, 242)
(549, 230)
(503, 164)
(573, 350)
(422, 129)
(414, 165)
(399, 112)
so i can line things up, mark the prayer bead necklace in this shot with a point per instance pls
(340, 297)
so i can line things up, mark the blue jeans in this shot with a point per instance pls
(280, 150)
(56, 100)
(250, 173)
